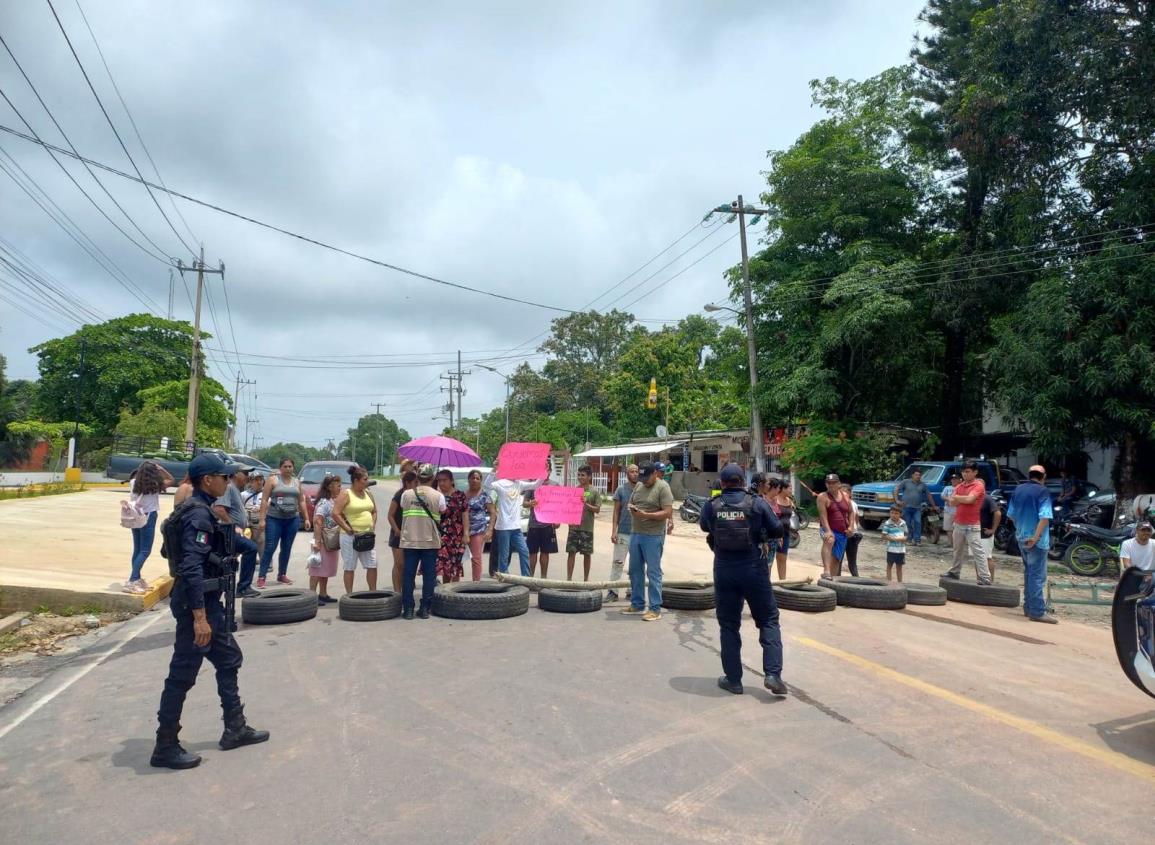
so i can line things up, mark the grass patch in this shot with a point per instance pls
(32, 491)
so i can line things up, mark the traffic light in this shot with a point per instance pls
(652, 395)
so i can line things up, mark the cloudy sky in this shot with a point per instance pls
(538, 150)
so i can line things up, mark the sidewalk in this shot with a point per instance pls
(71, 551)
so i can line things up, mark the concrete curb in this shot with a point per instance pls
(19, 598)
(12, 620)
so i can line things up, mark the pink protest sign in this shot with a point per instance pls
(523, 461)
(558, 505)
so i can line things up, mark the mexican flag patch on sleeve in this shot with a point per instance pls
(202, 538)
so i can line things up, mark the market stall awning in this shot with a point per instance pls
(629, 449)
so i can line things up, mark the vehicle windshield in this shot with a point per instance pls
(314, 474)
(931, 473)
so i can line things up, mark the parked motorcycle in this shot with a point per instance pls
(931, 525)
(1092, 549)
(794, 532)
(691, 509)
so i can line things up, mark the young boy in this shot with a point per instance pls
(894, 529)
(581, 537)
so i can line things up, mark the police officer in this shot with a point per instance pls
(739, 528)
(201, 628)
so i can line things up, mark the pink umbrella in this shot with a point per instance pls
(439, 451)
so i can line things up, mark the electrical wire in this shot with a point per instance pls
(48, 280)
(112, 126)
(45, 295)
(288, 233)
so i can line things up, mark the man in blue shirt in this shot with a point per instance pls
(739, 528)
(1030, 509)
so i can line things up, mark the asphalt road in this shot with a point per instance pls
(953, 724)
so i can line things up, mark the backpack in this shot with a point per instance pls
(172, 528)
(732, 524)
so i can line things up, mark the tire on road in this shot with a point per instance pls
(807, 598)
(870, 593)
(688, 598)
(925, 594)
(369, 606)
(991, 595)
(570, 601)
(480, 600)
(279, 607)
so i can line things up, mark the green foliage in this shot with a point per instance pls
(121, 358)
(854, 453)
(375, 436)
(33, 491)
(584, 350)
(163, 409)
(301, 455)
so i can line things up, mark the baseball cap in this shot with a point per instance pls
(425, 471)
(207, 463)
(647, 469)
(732, 474)
(1038, 468)
(833, 477)
(1143, 524)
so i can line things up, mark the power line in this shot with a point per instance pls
(135, 129)
(662, 284)
(30, 268)
(15, 303)
(288, 233)
(112, 126)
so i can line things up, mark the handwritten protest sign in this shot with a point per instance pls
(523, 461)
(558, 505)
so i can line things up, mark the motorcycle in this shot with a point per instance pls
(794, 532)
(1133, 626)
(931, 525)
(1092, 549)
(691, 509)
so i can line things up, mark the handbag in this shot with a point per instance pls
(365, 541)
(331, 537)
(131, 516)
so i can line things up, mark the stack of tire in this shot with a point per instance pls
(869, 593)
(369, 606)
(807, 598)
(480, 600)
(991, 595)
(924, 594)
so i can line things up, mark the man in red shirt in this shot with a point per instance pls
(968, 538)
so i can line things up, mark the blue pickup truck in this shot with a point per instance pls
(875, 498)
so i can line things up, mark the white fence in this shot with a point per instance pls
(23, 479)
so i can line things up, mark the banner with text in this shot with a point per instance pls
(523, 461)
(559, 505)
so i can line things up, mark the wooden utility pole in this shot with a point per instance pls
(236, 405)
(380, 433)
(194, 381)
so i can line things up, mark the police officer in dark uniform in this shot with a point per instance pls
(201, 628)
(740, 528)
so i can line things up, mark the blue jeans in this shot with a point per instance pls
(749, 582)
(247, 549)
(283, 531)
(427, 560)
(913, 519)
(142, 545)
(1034, 580)
(507, 538)
(646, 559)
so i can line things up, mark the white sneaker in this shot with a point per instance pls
(142, 584)
(133, 588)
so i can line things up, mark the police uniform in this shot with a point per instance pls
(197, 587)
(743, 575)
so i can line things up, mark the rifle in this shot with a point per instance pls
(229, 577)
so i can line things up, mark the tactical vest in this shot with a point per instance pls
(732, 524)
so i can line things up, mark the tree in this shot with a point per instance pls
(375, 436)
(584, 349)
(856, 454)
(99, 369)
(163, 410)
(301, 455)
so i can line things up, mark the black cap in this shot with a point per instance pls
(732, 474)
(647, 469)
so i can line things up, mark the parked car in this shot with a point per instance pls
(122, 466)
(256, 464)
(875, 498)
(314, 472)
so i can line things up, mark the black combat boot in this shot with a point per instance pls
(237, 731)
(168, 753)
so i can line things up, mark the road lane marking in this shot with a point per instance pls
(1113, 759)
(75, 676)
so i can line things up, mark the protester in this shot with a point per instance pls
(990, 517)
(230, 510)
(650, 507)
(739, 528)
(540, 537)
(580, 538)
(967, 500)
(454, 527)
(149, 481)
(782, 504)
(480, 521)
(252, 501)
(421, 510)
(1030, 509)
(408, 480)
(911, 495)
(356, 512)
(282, 514)
(623, 526)
(183, 491)
(896, 531)
(834, 517)
(508, 496)
(323, 523)
(1139, 551)
(855, 535)
(948, 509)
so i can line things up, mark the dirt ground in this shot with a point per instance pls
(45, 633)
(926, 563)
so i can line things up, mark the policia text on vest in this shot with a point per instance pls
(739, 528)
(202, 629)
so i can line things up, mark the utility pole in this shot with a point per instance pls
(452, 379)
(247, 421)
(194, 381)
(171, 288)
(757, 445)
(507, 380)
(380, 423)
(236, 404)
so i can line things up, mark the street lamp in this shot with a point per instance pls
(507, 380)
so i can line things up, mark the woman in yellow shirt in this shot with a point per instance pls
(356, 512)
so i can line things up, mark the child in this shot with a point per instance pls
(894, 529)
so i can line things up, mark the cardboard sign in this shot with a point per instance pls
(559, 505)
(523, 461)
